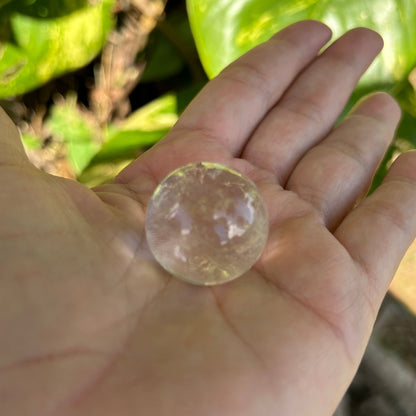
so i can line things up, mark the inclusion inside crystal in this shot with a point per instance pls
(206, 223)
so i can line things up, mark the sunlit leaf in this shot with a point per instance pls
(226, 29)
(145, 126)
(159, 114)
(43, 48)
(69, 125)
(127, 144)
(140, 130)
(31, 142)
(405, 94)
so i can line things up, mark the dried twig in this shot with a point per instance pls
(119, 72)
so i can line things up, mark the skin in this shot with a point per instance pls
(91, 325)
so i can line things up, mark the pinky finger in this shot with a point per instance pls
(378, 232)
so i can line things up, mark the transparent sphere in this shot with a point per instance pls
(206, 223)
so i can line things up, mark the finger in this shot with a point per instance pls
(338, 171)
(233, 103)
(11, 148)
(379, 231)
(217, 123)
(312, 104)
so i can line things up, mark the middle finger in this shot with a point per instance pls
(310, 107)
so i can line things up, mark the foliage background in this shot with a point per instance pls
(93, 83)
(70, 72)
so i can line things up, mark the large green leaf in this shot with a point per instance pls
(141, 129)
(38, 49)
(225, 29)
(145, 126)
(125, 142)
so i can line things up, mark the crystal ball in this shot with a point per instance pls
(206, 223)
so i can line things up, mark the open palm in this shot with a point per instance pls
(92, 325)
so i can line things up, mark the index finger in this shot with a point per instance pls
(231, 105)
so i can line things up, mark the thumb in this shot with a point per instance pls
(11, 147)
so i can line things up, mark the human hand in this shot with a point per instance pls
(92, 325)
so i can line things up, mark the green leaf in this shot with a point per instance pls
(41, 8)
(140, 130)
(169, 48)
(68, 124)
(31, 141)
(159, 114)
(41, 49)
(145, 126)
(224, 30)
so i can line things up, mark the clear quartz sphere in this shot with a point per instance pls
(206, 223)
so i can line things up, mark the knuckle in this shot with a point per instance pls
(247, 76)
(304, 108)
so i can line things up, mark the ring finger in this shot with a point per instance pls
(311, 105)
(338, 171)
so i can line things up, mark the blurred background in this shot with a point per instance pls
(92, 84)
